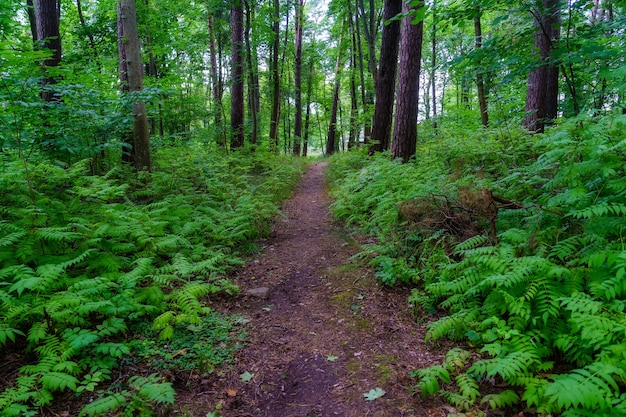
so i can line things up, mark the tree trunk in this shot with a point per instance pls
(216, 84)
(433, 53)
(130, 61)
(370, 36)
(537, 90)
(237, 111)
(32, 19)
(354, 108)
(297, 76)
(275, 78)
(480, 85)
(48, 37)
(307, 118)
(367, 96)
(253, 79)
(405, 126)
(385, 87)
(331, 141)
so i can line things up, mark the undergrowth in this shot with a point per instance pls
(85, 259)
(538, 313)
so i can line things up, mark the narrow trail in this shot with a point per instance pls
(325, 333)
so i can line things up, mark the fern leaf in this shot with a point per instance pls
(58, 381)
(104, 406)
(468, 386)
(502, 399)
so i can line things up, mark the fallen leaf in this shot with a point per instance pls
(374, 394)
(231, 392)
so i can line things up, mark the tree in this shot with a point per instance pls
(275, 76)
(405, 126)
(47, 14)
(542, 87)
(216, 83)
(386, 85)
(331, 141)
(297, 76)
(480, 84)
(237, 113)
(131, 78)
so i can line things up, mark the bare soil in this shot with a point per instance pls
(325, 334)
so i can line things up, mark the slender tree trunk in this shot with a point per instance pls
(367, 96)
(297, 76)
(385, 87)
(253, 80)
(237, 110)
(370, 35)
(48, 37)
(433, 53)
(130, 63)
(405, 126)
(307, 118)
(354, 109)
(32, 19)
(480, 85)
(216, 84)
(275, 78)
(331, 141)
(552, 85)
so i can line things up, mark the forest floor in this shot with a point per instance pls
(323, 335)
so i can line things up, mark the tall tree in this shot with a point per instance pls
(253, 74)
(480, 83)
(47, 14)
(237, 111)
(275, 76)
(131, 73)
(331, 139)
(405, 126)
(537, 88)
(386, 85)
(216, 83)
(297, 76)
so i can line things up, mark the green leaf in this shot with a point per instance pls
(58, 381)
(374, 394)
(246, 376)
(331, 358)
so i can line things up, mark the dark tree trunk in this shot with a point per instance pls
(297, 76)
(307, 118)
(480, 84)
(48, 37)
(131, 73)
(405, 126)
(331, 141)
(32, 19)
(237, 111)
(537, 90)
(367, 96)
(369, 28)
(275, 78)
(354, 108)
(433, 53)
(385, 87)
(253, 79)
(216, 84)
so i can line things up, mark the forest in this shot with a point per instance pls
(146, 148)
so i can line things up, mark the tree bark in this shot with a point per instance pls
(253, 79)
(480, 84)
(331, 141)
(275, 78)
(386, 85)
(237, 111)
(405, 126)
(297, 76)
(48, 37)
(537, 98)
(433, 52)
(130, 61)
(216, 84)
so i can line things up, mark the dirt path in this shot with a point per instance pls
(325, 334)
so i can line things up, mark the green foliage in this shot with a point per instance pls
(84, 259)
(544, 306)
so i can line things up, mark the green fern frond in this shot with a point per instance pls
(58, 381)
(468, 387)
(104, 406)
(506, 398)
